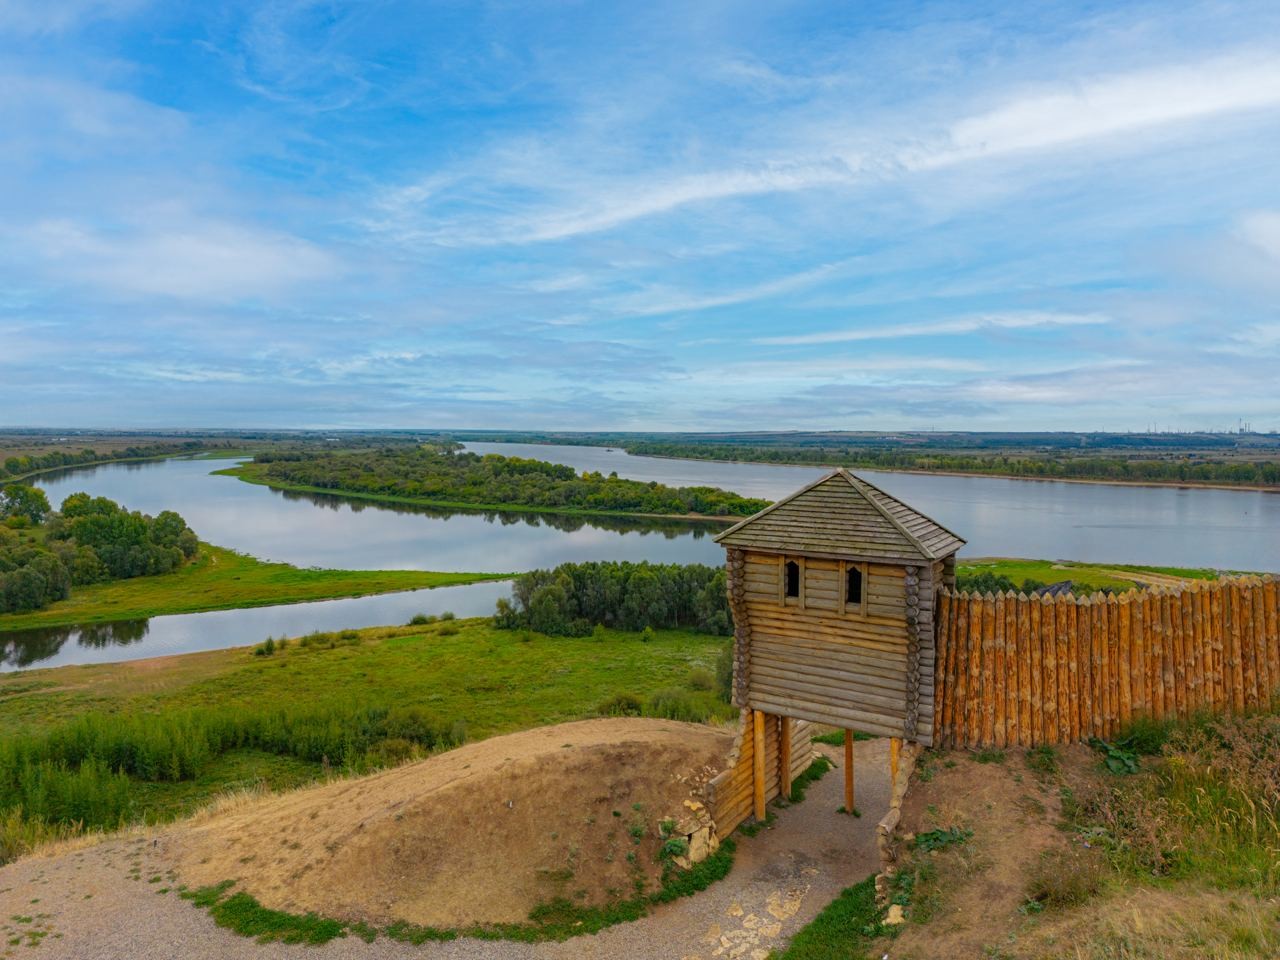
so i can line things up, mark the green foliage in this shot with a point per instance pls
(811, 775)
(843, 930)
(1117, 758)
(93, 770)
(989, 755)
(436, 474)
(20, 500)
(836, 738)
(556, 920)
(1209, 808)
(1065, 878)
(568, 600)
(700, 678)
(622, 705)
(55, 459)
(1043, 759)
(673, 847)
(90, 540)
(938, 839)
(677, 704)
(1140, 459)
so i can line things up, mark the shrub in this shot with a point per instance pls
(421, 620)
(724, 675)
(448, 629)
(647, 635)
(701, 678)
(623, 705)
(1065, 878)
(447, 615)
(568, 600)
(677, 704)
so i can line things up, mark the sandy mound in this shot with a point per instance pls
(480, 834)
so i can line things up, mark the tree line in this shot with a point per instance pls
(20, 466)
(1171, 469)
(91, 539)
(444, 475)
(574, 598)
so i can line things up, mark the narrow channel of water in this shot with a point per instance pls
(190, 632)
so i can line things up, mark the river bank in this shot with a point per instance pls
(222, 579)
(244, 472)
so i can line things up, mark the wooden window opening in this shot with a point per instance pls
(853, 588)
(791, 571)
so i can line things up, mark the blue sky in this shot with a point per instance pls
(640, 216)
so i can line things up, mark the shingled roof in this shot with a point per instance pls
(842, 515)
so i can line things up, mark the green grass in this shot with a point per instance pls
(490, 681)
(556, 920)
(836, 738)
(221, 579)
(846, 928)
(251, 473)
(1095, 576)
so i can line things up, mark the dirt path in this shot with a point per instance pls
(111, 901)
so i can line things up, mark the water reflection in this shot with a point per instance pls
(668, 527)
(23, 648)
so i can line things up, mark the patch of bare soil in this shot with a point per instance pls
(481, 834)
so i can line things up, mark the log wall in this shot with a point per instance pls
(1014, 670)
(730, 796)
(866, 666)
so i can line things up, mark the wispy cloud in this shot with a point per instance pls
(953, 327)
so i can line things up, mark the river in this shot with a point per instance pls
(1226, 529)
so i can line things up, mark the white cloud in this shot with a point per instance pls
(1113, 106)
(659, 301)
(969, 324)
(180, 256)
(1262, 231)
(36, 17)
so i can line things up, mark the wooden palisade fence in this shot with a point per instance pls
(1014, 670)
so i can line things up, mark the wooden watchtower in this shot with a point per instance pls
(833, 591)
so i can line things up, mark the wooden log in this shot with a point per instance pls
(1120, 623)
(1203, 660)
(1011, 639)
(1036, 672)
(1218, 622)
(1266, 680)
(1026, 736)
(784, 761)
(758, 758)
(1190, 655)
(1064, 630)
(1155, 651)
(1106, 634)
(895, 752)
(943, 671)
(1234, 603)
(960, 691)
(1168, 654)
(973, 706)
(1049, 648)
(994, 607)
(1069, 639)
(848, 772)
(1248, 650)
(1090, 673)
(1138, 638)
(1176, 669)
(1271, 608)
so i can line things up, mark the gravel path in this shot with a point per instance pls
(105, 902)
